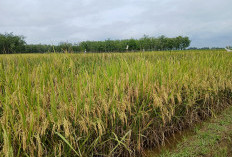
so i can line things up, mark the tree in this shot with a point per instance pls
(145, 43)
(65, 47)
(132, 45)
(186, 42)
(10, 43)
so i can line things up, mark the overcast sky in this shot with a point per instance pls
(206, 22)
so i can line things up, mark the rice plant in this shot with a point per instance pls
(114, 104)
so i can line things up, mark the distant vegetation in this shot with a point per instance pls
(109, 104)
(10, 43)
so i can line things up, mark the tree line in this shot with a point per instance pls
(10, 43)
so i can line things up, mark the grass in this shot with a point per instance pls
(214, 138)
(106, 104)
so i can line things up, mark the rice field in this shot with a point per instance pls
(112, 104)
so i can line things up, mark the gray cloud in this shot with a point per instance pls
(207, 22)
